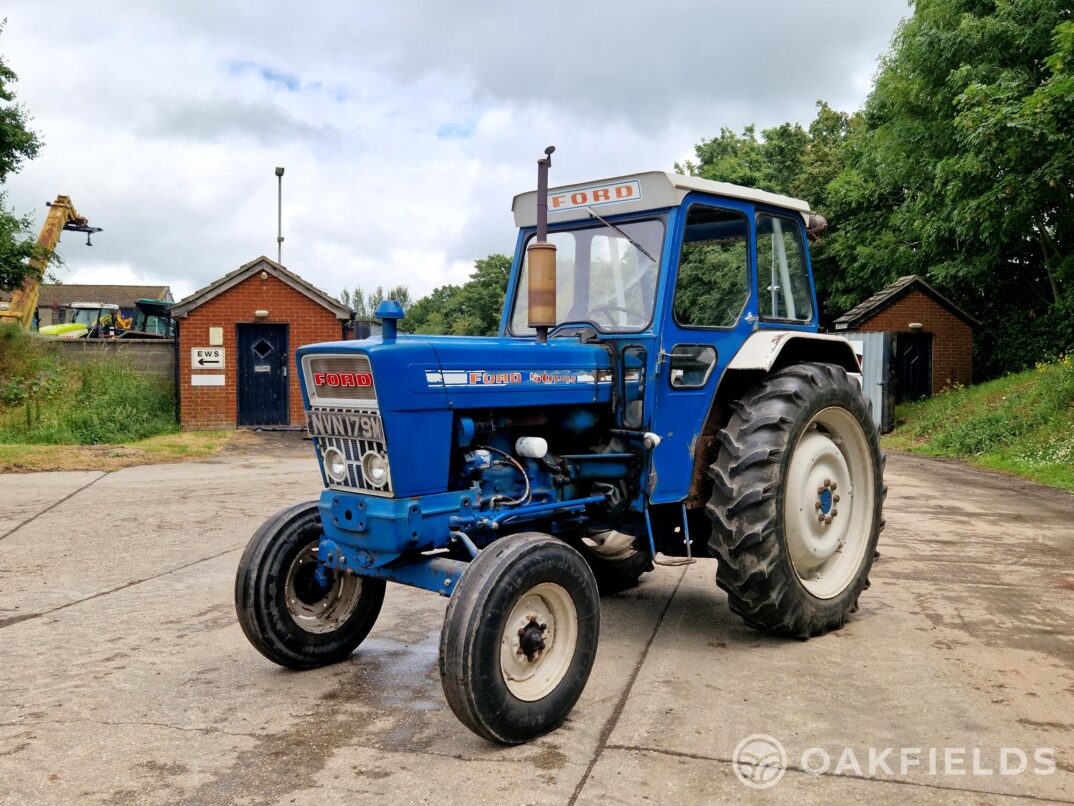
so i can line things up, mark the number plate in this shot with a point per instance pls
(349, 424)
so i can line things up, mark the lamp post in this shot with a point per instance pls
(279, 216)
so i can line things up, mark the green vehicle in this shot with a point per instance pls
(152, 320)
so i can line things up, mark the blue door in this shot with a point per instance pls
(263, 358)
(709, 312)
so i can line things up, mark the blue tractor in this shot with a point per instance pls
(658, 378)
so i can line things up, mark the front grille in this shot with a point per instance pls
(343, 378)
(354, 433)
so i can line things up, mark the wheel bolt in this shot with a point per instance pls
(544, 626)
(834, 485)
(835, 512)
(521, 631)
(828, 520)
(820, 489)
(835, 498)
(827, 482)
(816, 504)
(820, 519)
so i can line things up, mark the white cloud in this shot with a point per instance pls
(405, 128)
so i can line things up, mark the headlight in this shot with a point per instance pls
(335, 465)
(375, 469)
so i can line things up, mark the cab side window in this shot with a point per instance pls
(782, 277)
(713, 281)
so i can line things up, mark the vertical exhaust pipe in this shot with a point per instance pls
(542, 260)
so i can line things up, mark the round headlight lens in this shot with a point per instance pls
(335, 465)
(375, 469)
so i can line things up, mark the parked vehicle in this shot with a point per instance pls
(61, 217)
(88, 320)
(658, 386)
(152, 320)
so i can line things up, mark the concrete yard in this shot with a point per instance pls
(125, 677)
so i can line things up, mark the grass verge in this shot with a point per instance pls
(22, 457)
(1021, 423)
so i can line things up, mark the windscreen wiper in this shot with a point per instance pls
(633, 243)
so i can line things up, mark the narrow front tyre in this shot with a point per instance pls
(519, 638)
(294, 613)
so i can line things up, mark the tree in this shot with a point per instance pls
(472, 309)
(960, 168)
(18, 143)
(794, 161)
(963, 171)
(365, 305)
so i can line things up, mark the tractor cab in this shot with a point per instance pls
(672, 274)
(152, 320)
(88, 320)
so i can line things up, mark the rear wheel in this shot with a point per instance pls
(519, 637)
(797, 499)
(293, 612)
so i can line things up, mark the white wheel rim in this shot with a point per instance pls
(335, 605)
(829, 502)
(533, 677)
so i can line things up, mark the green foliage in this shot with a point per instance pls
(365, 305)
(18, 143)
(472, 309)
(1023, 423)
(960, 168)
(47, 400)
(797, 162)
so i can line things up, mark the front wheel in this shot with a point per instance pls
(519, 638)
(292, 614)
(796, 502)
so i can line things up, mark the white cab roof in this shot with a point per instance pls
(652, 190)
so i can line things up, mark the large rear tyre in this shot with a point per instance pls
(291, 616)
(519, 638)
(796, 502)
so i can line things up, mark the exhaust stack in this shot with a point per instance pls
(542, 260)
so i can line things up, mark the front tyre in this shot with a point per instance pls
(292, 615)
(519, 637)
(796, 502)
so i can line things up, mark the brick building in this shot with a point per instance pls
(237, 341)
(932, 337)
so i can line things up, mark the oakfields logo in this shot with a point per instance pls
(760, 761)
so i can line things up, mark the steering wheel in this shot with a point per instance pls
(610, 309)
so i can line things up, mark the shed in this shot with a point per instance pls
(237, 340)
(932, 338)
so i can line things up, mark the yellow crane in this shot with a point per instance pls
(61, 216)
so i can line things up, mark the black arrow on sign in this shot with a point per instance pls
(204, 361)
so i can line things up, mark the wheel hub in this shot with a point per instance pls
(531, 639)
(538, 641)
(319, 601)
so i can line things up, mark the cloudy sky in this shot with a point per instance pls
(405, 127)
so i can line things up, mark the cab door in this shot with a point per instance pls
(709, 311)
